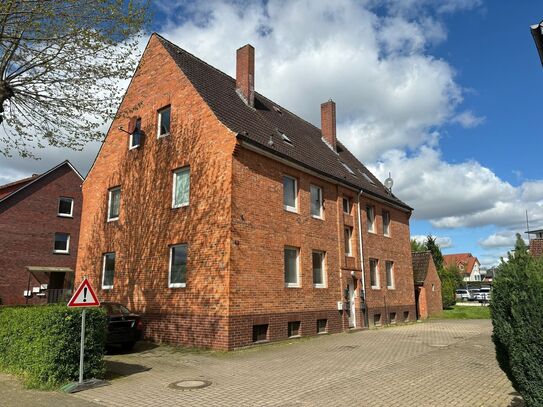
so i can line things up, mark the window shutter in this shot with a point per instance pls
(132, 124)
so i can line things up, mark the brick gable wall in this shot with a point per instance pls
(28, 222)
(147, 226)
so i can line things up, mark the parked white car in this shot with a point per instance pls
(462, 294)
(484, 294)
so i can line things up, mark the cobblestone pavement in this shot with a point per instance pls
(12, 394)
(437, 363)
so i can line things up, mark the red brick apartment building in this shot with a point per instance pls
(39, 233)
(228, 220)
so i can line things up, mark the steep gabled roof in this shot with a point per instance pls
(421, 263)
(267, 120)
(23, 183)
(467, 260)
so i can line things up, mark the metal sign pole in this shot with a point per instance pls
(82, 350)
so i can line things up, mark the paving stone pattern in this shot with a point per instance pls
(437, 363)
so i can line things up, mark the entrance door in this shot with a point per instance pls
(352, 316)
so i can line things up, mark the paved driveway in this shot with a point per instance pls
(437, 363)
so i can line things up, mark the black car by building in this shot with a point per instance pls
(124, 327)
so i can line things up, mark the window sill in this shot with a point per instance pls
(177, 285)
(322, 333)
(373, 232)
(113, 219)
(162, 135)
(107, 287)
(133, 147)
(60, 252)
(375, 287)
(391, 288)
(294, 336)
(290, 285)
(387, 235)
(180, 206)
(319, 285)
(290, 209)
(60, 215)
(317, 217)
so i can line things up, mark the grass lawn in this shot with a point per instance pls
(465, 312)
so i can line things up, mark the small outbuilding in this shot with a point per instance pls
(427, 285)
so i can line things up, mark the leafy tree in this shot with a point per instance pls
(434, 248)
(417, 246)
(516, 303)
(62, 63)
(451, 279)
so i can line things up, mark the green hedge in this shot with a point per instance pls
(516, 304)
(41, 343)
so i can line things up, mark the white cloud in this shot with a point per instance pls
(468, 119)
(444, 242)
(503, 239)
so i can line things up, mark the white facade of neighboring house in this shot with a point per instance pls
(475, 273)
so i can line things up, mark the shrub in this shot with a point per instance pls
(41, 343)
(516, 303)
(450, 280)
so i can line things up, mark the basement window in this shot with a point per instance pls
(321, 326)
(392, 317)
(260, 333)
(377, 319)
(294, 329)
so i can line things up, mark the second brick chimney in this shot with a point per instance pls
(245, 73)
(328, 123)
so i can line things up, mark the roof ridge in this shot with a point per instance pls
(192, 55)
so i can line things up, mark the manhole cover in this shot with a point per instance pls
(189, 384)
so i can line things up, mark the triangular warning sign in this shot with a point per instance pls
(84, 296)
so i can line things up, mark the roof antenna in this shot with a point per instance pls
(389, 182)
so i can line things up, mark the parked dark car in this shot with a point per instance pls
(124, 327)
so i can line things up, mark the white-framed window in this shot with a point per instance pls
(113, 204)
(164, 119)
(177, 274)
(62, 243)
(389, 265)
(65, 207)
(181, 187)
(386, 223)
(292, 267)
(319, 269)
(346, 205)
(348, 234)
(108, 270)
(374, 274)
(370, 214)
(135, 136)
(317, 207)
(290, 193)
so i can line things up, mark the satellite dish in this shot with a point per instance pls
(389, 182)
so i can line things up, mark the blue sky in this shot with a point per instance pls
(444, 95)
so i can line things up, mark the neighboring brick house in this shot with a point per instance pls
(226, 220)
(427, 285)
(468, 265)
(536, 243)
(39, 233)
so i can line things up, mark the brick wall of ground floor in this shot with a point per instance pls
(231, 332)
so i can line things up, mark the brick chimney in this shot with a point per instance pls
(328, 123)
(245, 73)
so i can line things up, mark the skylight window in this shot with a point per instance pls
(277, 110)
(347, 167)
(285, 138)
(366, 176)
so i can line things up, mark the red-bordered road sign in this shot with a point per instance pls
(84, 296)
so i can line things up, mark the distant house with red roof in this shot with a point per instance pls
(39, 225)
(467, 263)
